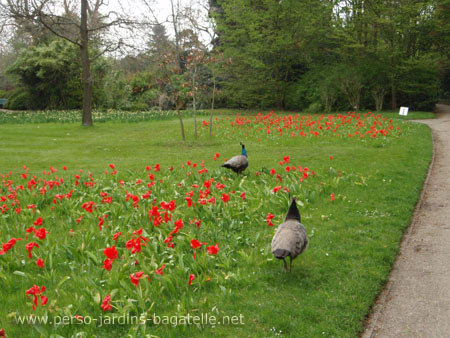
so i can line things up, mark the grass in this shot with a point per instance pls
(412, 115)
(353, 239)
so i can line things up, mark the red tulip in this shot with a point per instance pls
(178, 225)
(269, 218)
(213, 249)
(40, 263)
(134, 245)
(111, 253)
(107, 264)
(160, 270)
(116, 236)
(106, 303)
(30, 229)
(88, 206)
(101, 221)
(30, 247)
(278, 187)
(38, 221)
(135, 277)
(225, 198)
(41, 233)
(191, 278)
(195, 244)
(220, 186)
(37, 291)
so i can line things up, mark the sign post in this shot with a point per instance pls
(404, 111)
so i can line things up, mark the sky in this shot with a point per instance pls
(137, 9)
(161, 9)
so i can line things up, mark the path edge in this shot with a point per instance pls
(371, 319)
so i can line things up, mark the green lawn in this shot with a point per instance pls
(353, 239)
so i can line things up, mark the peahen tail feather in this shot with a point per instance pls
(281, 253)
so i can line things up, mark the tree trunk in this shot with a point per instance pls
(194, 103)
(181, 123)
(177, 108)
(177, 35)
(86, 65)
(378, 94)
(393, 93)
(212, 106)
(329, 97)
(375, 36)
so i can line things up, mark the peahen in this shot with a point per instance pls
(290, 240)
(237, 163)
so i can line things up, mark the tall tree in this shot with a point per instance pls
(268, 43)
(160, 42)
(79, 23)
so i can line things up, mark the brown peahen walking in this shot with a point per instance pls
(290, 240)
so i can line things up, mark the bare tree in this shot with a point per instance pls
(201, 22)
(352, 86)
(328, 94)
(173, 78)
(176, 22)
(188, 22)
(79, 23)
(172, 64)
(378, 93)
(199, 26)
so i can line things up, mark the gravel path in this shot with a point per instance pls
(416, 300)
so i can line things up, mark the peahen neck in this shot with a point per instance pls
(293, 212)
(244, 152)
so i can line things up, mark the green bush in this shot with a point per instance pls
(19, 99)
(51, 74)
(315, 108)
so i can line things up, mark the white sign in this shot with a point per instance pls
(404, 111)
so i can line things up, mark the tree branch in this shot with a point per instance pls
(55, 32)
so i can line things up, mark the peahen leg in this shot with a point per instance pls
(290, 264)
(285, 265)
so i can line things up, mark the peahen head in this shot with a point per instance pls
(244, 152)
